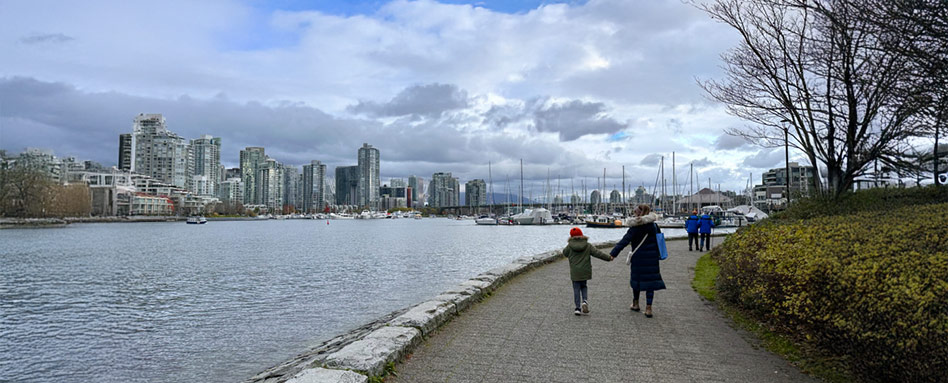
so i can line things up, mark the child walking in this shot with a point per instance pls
(578, 251)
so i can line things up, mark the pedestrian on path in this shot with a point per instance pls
(644, 270)
(691, 226)
(578, 251)
(704, 228)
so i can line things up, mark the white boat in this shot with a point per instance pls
(671, 222)
(340, 216)
(195, 220)
(539, 216)
(485, 220)
(604, 221)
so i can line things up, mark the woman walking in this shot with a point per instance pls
(644, 273)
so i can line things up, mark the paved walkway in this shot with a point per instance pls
(526, 332)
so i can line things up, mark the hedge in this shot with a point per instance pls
(871, 287)
(877, 199)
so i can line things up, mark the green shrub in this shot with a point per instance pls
(870, 286)
(877, 199)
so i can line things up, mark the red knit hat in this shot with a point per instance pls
(575, 232)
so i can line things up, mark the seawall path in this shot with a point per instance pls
(526, 332)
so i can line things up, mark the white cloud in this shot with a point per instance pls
(613, 78)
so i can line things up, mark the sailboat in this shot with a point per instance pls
(489, 219)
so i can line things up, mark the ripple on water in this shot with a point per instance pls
(156, 302)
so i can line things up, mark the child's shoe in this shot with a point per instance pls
(577, 312)
(585, 307)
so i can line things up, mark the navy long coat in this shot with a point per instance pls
(644, 273)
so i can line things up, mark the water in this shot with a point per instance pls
(162, 302)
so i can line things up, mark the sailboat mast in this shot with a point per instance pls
(674, 186)
(490, 189)
(623, 187)
(661, 201)
(691, 184)
(521, 185)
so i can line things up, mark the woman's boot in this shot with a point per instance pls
(648, 311)
(635, 305)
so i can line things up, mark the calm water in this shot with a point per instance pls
(163, 302)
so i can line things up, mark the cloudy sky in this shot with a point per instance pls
(570, 87)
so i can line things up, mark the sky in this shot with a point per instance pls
(569, 87)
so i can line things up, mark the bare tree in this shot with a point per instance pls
(819, 70)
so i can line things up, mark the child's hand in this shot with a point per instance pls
(613, 258)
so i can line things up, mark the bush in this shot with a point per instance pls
(877, 199)
(870, 286)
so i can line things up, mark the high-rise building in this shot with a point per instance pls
(125, 152)
(397, 183)
(417, 185)
(615, 197)
(231, 191)
(206, 157)
(347, 185)
(444, 190)
(595, 197)
(250, 158)
(291, 177)
(369, 182)
(159, 153)
(269, 185)
(231, 173)
(314, 187)
(475, 193)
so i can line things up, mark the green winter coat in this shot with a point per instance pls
(578, 251)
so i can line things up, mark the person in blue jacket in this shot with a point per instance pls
(644, 273)
(691, 226)
(704, 228)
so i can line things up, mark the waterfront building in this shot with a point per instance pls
(206, 171)
(595, 198)
(147, 204)
(125, 152)
(347, 185)
(231, 191)
(250, 158)
(41, 160)
(417, 185)
(444, 190)
(157, 152)
(771, 193)
(268, 185)
(369, 181)
(575, 199)
(291, 181)
(475, 193)
(704, 197)
(615, 197)
(314, 187)
(558, 200)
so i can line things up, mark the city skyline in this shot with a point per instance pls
(436, 86)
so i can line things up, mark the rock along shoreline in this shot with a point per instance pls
(366, 351)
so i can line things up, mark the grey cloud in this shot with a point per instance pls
(87, 125)
(575, 119)
(729, 142)
(421, 100)
(651, 160)
(764, 158)
(53, 38)
(702, 162)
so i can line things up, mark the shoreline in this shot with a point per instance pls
(367, 350)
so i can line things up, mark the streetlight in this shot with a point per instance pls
(786, 151)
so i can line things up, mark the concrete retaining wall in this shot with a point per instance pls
(366, 351)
